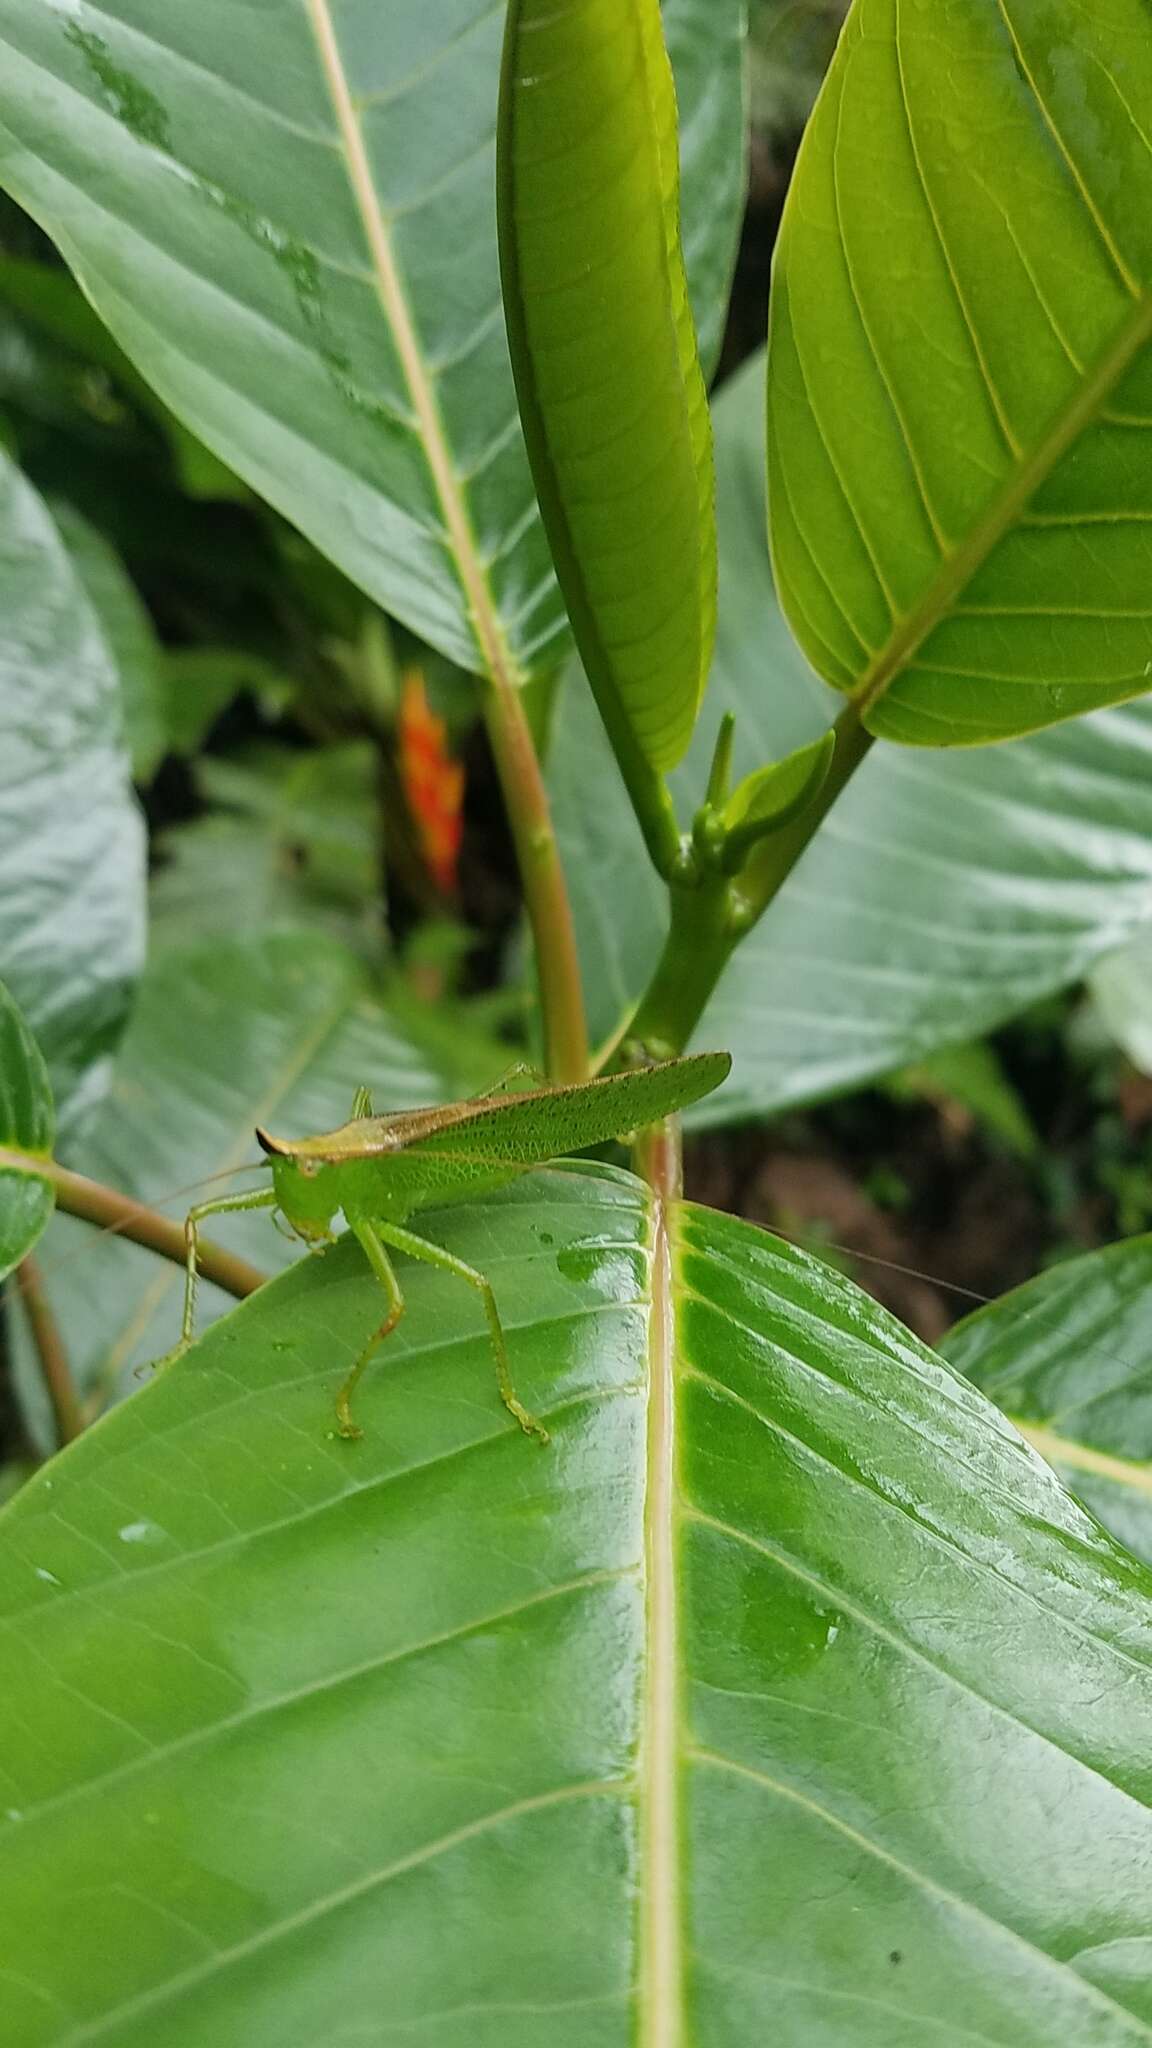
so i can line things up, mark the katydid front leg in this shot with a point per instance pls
(374, 1237)
(224, 1205)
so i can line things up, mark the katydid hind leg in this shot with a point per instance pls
(435, 1255)
(523, 1070)
(384, 1271)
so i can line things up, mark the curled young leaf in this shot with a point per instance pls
(776, 794)
(603, 346)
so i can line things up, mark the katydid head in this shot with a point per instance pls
(306, 1191)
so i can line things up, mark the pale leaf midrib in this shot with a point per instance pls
(661, 1971)
(497, 656)
(1079, 1457)
(958, 570)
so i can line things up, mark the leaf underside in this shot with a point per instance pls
(806, 1736)
(961, 369)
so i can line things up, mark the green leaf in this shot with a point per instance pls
(27, 1124)
(129, 633)
(782, 1736)
(945, 892)
(961, 370)
(293, 840)
(279, 1028)
(1066, 1356)
(71, 838)
(288, 223)
(611, 393)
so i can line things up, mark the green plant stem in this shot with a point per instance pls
(50, 1353)
(709, 917)
(94, 1203)
(545, 891)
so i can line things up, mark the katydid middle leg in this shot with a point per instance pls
(523, 1070)
(382, 1267)
(435, 1255)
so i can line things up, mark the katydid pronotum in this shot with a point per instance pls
(379, 1170)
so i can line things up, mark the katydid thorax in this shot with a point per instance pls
(378, 1171)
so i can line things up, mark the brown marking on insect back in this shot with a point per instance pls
(544, 1134)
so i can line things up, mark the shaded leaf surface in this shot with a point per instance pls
(71, 838)
(960, 383)
(944, 892)
(279, 1029)
(1066, 1356)
(27, 1124)
(287, 219)
(393, 1730)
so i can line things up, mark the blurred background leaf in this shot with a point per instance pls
(71, 837)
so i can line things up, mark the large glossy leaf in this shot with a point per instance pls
(281, 1028)
(287, 218)
(944, 892)
(71, 839)
(1067, 1356)
(785, 1697)
(611, 394)
(961, 369)
(27, 1125)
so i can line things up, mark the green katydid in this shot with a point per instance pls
(379, 1170)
